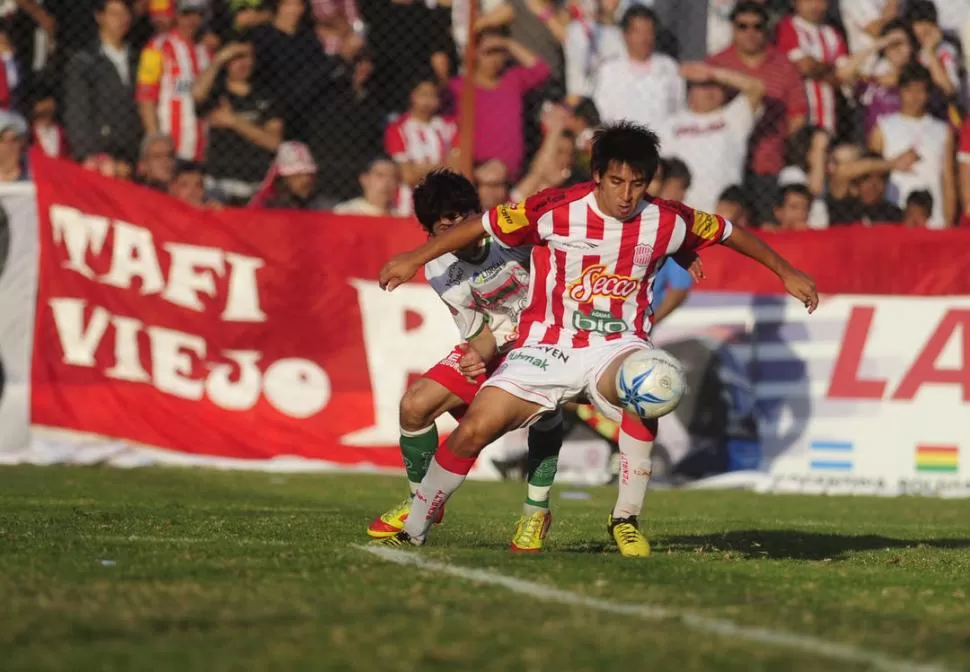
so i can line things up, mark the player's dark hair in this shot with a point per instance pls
(921, 199)
(750, 7)
(677, 170)
(797, 189)
(920, 10)
(444, 193)
(638, 11)
(625, 142)
(913, 73)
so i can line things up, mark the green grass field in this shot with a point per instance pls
(192, 570)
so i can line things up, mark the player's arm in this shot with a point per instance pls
(797, 283)
(679, 283)
(150, 67)
(510, 225)
(482, 349)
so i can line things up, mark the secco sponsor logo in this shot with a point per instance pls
(595, 282)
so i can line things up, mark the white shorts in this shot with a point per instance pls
(549, 375)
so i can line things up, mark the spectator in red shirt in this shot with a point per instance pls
(499, 97)
(784, 104)
(421, 140)
(817, 50)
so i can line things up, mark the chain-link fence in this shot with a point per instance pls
(791, 115)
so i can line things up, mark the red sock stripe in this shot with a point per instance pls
(637, 428)
(456, 464)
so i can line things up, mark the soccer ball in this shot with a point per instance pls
(650, 383)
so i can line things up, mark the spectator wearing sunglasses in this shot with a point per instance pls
(784, 104)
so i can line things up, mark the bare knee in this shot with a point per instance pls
(416, 410)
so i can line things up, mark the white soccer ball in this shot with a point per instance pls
(651, 383)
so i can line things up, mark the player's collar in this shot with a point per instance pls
(594, 206)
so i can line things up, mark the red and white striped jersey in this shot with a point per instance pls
(592, 275)
(408, 139)
(169, 66)
(798, 38)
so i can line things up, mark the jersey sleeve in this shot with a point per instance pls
(513, 224)
(702, 229)
(150, 68)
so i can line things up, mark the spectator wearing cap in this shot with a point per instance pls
(500, 90)
(913, 128)
(645, 87)
(590, 42)
(291, 181)
(379, 182)
(100, 113)
(156, 162)
(817, 50)
(784, 106)
(168, 68)
(245, 126)
(13, 135)
(709, 128)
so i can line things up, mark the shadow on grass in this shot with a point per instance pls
(795, 544)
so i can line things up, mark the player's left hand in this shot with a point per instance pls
(471, 363)
(398, 270)
(802, 287)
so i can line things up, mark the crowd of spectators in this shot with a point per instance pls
(782, 114)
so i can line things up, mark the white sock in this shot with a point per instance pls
(635, 467)
(434, 491)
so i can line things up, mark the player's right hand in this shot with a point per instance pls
(471, 363)
(802, 287)
(398, 270)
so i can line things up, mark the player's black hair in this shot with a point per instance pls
(913, 73)
(921, 199)
(798, 189)
(638, 11)
(675, 169)
(625, 142)
(586, 110)
(444, 193)
(750, 7)
(920, 10)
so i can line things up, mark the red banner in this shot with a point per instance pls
(229, 333)
(258, 334)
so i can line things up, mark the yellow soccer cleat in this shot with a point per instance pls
(628, 537)
(530, 532)
(400, 540)
(391, 521)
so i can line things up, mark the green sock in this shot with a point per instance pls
(418, 448)
(544, 445)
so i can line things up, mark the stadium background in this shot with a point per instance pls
(766, 110)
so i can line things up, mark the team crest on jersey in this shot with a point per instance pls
(642, 254)
(705, 225)
(595, 282)
(512, 217)
(455, 273)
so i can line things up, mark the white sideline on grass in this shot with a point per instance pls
(814, 646)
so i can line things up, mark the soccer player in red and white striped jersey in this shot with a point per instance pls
(168, 68)
(817, 50)
(597, 249)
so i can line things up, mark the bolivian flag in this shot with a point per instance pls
(940, 459)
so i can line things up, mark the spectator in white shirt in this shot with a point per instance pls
(645, 87)
(380, 182)
(914, 128)
(709, 136)
(590, 42)
(864, 21)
